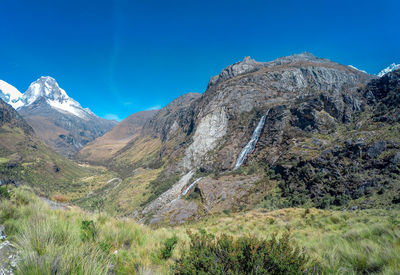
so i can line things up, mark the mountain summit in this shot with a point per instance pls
(47, 87)
(58, 119)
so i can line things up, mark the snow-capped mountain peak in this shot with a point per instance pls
(48, 88)
(391, 67)
(10, 95)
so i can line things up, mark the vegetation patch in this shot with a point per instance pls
(209, 254)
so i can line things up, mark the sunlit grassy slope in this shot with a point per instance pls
(343, 242)
(26, 160)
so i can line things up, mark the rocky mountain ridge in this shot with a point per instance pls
(193, 148)
(309, 145)
(389, 69)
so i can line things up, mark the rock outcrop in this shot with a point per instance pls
(305, 94)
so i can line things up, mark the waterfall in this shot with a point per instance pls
(251, 145)
(190, 186)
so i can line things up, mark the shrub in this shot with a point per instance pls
(247, 255)
(168, 247)
(88, 230)
(105, 246)
(4, 192)
(226, 212)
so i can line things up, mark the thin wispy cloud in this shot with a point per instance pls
(112, 117)
(127, 103)
(155, 107)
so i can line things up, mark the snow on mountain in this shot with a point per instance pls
(351, 66)
(392, 67)
(10, 95)
(48, 88)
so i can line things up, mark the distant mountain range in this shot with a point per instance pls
(58, 119)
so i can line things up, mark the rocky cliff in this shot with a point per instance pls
(316, 108)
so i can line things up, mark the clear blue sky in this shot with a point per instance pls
(120, 57)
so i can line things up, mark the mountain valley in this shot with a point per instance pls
(297, 142)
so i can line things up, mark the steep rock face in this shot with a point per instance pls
(172, 117)
(247, 65)
(58, 119)
(210, 130)
(384, 92)
(247, 93)
(161, 137)
(306, 96)
(352, 163)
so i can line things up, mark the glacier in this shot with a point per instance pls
(10, 95)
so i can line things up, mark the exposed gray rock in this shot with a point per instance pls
(305, 94)
(396, 159)
(167, 122)
(225, 193)
(376, 149)
(8, 256)
(2, 233)
(210, 130)
(248, 64)
(168, 196)
(177, 212)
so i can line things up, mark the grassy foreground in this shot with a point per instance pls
(77, 242)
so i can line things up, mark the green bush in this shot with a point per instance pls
(247, 255)
(88, 230)
(168, 247)
(4, 192)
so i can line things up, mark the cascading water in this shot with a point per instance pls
(251, 145)
(190, 187)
